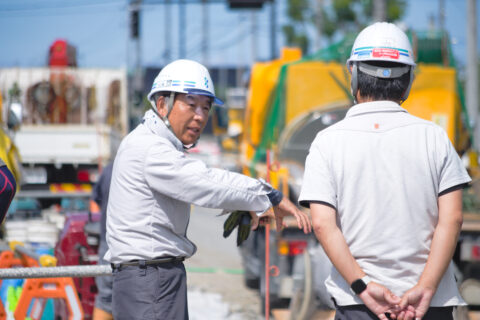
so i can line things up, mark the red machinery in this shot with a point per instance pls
(78, 245)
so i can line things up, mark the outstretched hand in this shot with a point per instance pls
(380, 300)
(287, 208)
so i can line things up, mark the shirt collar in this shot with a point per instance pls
(374, 107)
(153, 122)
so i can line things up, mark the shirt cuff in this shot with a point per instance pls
(275, 197)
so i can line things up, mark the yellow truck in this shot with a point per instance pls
(8, 150)
(291, 99)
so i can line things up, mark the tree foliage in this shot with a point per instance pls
(295, 32)
(337, 17)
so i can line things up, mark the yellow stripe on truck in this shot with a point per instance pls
(70, 187)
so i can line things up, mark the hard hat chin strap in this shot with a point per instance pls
(407, 91)
(169, 101)
(190, 146)
(354, 82)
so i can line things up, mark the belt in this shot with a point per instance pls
(152, 262)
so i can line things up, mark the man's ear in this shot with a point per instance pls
(161, 106)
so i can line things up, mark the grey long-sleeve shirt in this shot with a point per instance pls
(153, 185)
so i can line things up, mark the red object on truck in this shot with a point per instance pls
(62, 54)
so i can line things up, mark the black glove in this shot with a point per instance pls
(243, 228)
(241, 219)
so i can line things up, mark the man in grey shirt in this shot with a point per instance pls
(154, 183)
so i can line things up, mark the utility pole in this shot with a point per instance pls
(318, 24)
(472, 71)
(205, 25)
(431, 22)
(253, 36)
(181, 29)
(379, 10)
(441, 15)
(168, 32)
(135, 87)
(273, 30)
(135, 21)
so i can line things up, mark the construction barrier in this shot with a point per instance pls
(43, 283)
(39, 290)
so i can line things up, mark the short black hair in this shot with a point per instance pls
(374, 88)
(165, 94)
(159, 94)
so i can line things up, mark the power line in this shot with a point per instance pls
(12, 8)
(92, 8)
(175, 2)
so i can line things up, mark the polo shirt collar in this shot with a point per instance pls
(374, 107)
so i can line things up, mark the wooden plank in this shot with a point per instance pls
(281, 314)
(474, 315)
(324, 315)
(471, 221)
(284, 314)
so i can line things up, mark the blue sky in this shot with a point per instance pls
(99, 30)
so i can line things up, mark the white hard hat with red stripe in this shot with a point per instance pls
(381, 41)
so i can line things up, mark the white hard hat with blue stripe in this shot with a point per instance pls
(184, 76)
(381, 41)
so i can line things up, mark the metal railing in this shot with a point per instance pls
(54, 272)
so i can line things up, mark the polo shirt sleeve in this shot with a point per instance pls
(452, 172)
(318, 182)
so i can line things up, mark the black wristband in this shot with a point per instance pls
(359, 285)
(275, 197)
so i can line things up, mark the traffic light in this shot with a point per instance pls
(246, 4)
(134, 23)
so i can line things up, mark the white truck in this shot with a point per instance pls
(71, 122)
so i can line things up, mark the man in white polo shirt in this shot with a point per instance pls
(384, 189)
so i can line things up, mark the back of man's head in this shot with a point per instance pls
(376, 88)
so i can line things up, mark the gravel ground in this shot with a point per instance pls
(216, 288)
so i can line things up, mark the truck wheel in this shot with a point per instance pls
(461, 313)
(470, 291)
(252, 283)
(302, 305)
(275, 301)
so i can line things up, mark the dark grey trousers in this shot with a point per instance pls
(103, 299)
(360, 312)
(150, 293)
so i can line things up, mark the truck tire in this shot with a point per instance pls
(275, 301)
(461, 313)
(302, 305)
(252, 283)
(321, 266)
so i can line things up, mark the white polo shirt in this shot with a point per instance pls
(383, 169)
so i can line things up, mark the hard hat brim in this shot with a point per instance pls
(216, 100)
(205, 93)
